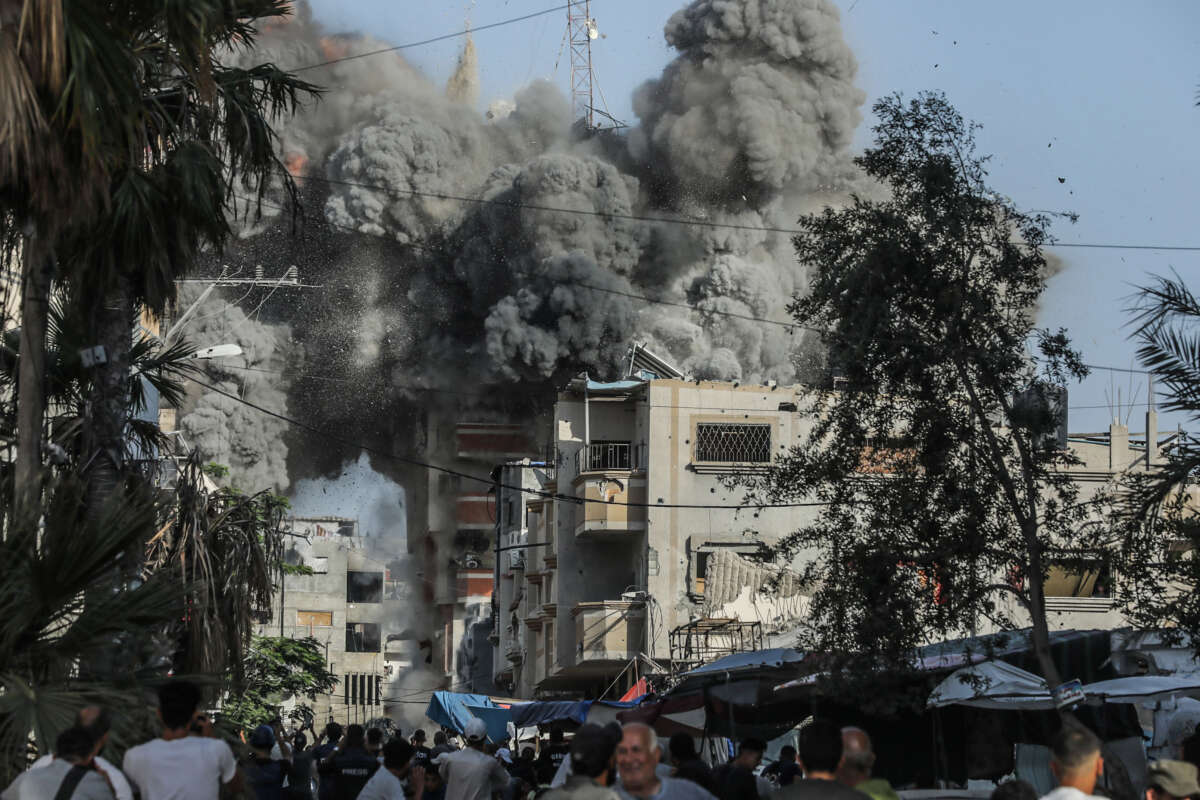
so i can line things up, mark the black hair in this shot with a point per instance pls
(397, 753)
(787, 753)
(178, 701)
(439, 737)
(1014, 790)
(820, 746)
(375, 736)
(300, 741)
(354, 736)
(753, 744)
(74, 743)
(1073, 745)
(556, 734)
(592, 750)
(681, 747)
(333, 731)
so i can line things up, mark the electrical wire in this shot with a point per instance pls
(488, 481)
(432, 40)
(677, 220)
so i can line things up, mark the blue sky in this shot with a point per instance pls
(1099, 93)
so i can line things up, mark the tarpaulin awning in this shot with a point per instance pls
(495, 717)
(998, 685)
(547, 712)
(449, 709)
(754, 659)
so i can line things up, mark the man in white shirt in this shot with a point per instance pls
(71, 773)
(472, 774)
(388, 783)
(97, 722)
(1076, 763)
(177, 766)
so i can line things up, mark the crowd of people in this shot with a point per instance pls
(187, 761)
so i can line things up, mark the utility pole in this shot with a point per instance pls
(581, 29)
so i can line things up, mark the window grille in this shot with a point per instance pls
(733, 443)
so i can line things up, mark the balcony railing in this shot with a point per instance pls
(603, 456)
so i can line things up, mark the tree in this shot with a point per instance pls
(1161, 509)
(276, 669)
(124, 137)
(935, 458)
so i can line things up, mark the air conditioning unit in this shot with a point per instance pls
(471, 562)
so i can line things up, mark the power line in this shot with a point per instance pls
(675, 220)
(488, 481)
(442, 38)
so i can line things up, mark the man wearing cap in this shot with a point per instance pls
(264, 775)
(472, 774)
(1171, 780)
(592, 752)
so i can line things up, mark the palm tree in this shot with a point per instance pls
(122, 138)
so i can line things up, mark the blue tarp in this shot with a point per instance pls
(449, 709)
(546, 712)
(495, 718)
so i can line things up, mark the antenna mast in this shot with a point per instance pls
(581, 29)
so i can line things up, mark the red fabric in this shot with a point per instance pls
(637, 690)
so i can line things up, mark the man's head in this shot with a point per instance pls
(438, 738)
(857, 757)
(262, 740)
(682, 748)
(592, 752)
(355, 736)
(333, 731)
(1075, 757)
(97, 721)
(820, 749)
(787, 754)
(397, 754)
(299, 741)
(750, 752)
(637, 756)
(418, 737)
(476, 732)
(75, 746)
(374, 739)
(556, 735)
(177, 704)
(1171, 780)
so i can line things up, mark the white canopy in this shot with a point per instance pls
(999, 685)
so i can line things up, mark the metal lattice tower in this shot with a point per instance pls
(581, 29)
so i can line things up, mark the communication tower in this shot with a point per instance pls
(581, 30)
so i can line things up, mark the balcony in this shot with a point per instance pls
(614, 504)
(609, 631)
(609, 457)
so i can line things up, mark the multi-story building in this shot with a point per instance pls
(451, 537)
(639, 556)
(353, 605)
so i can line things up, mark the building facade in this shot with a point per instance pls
(352, 605)
(639, 558)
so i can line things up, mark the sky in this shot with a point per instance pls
(1088, 107)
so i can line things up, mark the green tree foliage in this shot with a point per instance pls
(276, 669)
(1161, 508)
(934, 455)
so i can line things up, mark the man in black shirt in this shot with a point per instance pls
(551, 757)
(785, 770)
(820, 755)
(350, 764)
(320, 752)
(688, 765)
(734, 780)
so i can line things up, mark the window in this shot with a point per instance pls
(345, 528)
(319, 619)
(727, 443)
(362, 689)
(364, 587)
(1079, 580)
(604, 456)
(362, 637)
(701, 572)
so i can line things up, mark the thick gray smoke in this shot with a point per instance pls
(225, 431)
(516, 243)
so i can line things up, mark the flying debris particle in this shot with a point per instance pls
(1062, 180)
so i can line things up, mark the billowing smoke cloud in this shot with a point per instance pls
(468, 250)
(226, 431)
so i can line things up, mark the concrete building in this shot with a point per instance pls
(638, 558)
(350, 605)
